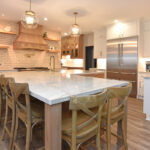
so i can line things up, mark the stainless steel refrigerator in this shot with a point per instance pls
(122, 59)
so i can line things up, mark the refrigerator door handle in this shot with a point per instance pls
(121, 54)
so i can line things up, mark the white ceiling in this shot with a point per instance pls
(93, 14)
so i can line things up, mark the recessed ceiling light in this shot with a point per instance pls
(116, 21)
(3, 15)
(65, 33)
(45, 19)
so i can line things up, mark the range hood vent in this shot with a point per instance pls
(30, 39)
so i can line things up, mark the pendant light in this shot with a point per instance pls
(29, 19)
(75, 30)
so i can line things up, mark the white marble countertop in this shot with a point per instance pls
(57, 87)
(79, 71)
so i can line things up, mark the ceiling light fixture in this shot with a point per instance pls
(75, 27)
(116, 21)
(45, 19)
(65, 34)
(29, 19)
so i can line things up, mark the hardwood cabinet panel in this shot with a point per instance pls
(72, 46)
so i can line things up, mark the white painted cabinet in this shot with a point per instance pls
(100, 44)
(126, 29)
(141, 84)
(146, 38)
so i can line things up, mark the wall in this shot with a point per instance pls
(88, 40)
(10, 58)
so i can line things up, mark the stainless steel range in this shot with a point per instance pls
(122, 60)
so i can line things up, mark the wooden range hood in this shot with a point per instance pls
(30, 39)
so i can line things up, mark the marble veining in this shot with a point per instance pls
(57, 87)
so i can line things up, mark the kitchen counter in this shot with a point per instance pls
(80, 72)
(54, 88)
(147, 97)
(57, 87)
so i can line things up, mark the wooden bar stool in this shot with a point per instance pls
(84, 123)
(29, 113)
(1, 95)
(10, 104)
(115, 113)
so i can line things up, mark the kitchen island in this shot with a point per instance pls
(54, 88)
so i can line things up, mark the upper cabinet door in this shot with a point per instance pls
(100, 44)
(121, 30)
(146, 42)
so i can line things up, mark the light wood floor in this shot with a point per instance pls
(138, 130)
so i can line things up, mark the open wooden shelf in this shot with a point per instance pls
(53, 51)
(4, 46)
(48, 39)
(5, 32)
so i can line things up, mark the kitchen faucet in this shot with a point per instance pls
(52, 64)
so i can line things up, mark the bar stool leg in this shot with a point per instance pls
(12, 129)
(5, 123)
(108, 134)
(28, 136)
(15, 133)
(0, 105)
(124, 134)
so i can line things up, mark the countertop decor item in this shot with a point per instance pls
(75, 29)
(29, 19)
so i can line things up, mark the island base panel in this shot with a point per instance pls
(53, 121)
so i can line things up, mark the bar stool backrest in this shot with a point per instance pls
(86, 104)
(1, 79)
(117, 98)
(21, 95)
(6, 88)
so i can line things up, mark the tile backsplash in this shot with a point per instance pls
(10, 58)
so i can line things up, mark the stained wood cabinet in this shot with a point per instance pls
(72, 46)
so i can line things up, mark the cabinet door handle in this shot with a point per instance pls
(100, 53)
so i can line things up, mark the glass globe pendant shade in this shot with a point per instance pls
(75, 29)
(29, 20)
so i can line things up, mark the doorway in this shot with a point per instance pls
(89, 61)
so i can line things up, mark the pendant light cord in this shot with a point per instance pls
(30, 5)
(75, 13)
